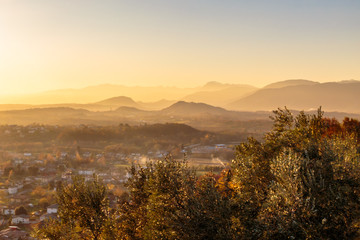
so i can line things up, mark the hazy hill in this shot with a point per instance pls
(4, 107)
(104, 105)
(332, 96)
(158, 105)
(129, 110)
(213, 86)
(291, 82)
(198, 115)
(100, 92)
(43, 115)
(220, 96)
(186, 108)
(118, 101)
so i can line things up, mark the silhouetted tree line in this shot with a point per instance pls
(167, 131)
(142, 136)
(301, 182)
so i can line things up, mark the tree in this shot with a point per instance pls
(302, 181)
(206, 212)
(156, 194)
(83, 211)
(299, 183)
(33, 170)
(20, 210)
(168, 201)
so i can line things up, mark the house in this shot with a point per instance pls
(20, 219)
(46, 216)
(38, 161)
(19, 198)
(86, 172)
(8, 211)
(67, 175)
(52, 208)
(87, 154)
(12, 190)
(220, 146)
(203, 149)
(18, 161)
(44, 179)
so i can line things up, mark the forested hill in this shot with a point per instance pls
(191, 108)
(141, 138)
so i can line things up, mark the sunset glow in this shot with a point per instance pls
(72, 44)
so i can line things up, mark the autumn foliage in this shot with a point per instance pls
(302, 181)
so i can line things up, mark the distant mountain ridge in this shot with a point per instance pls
(185, 108)
(332, 96)
(291, 82)
(296, 94)
(222, 95)
(198, 115)
(120, 100)
(104, 91)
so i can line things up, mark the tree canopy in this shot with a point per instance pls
(83, 212)
(302, 181)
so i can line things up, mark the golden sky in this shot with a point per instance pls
(49, 44)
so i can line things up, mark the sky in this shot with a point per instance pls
(48, 44)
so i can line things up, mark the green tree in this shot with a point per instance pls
(20, 210)
(156, 194)
(83, 212)
(206, 212)
(168, 201)
(297, 184)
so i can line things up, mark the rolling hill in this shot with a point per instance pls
(291, 82)
(214, 97)
(221, 96)
(332, 96)
(191, 108)
(99, 92)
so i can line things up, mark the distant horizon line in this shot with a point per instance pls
(169, 86)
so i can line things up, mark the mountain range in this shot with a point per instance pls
(332, 96)
(295, 94)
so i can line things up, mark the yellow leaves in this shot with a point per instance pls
(38, 192)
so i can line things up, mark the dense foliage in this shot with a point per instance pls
(83, 212)
(120, 138)
(301, 182)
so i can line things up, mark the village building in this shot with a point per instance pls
(52, 208)
(47, 216)
(20, 219)
(7, 210)
(12, 190)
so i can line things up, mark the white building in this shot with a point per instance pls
(86, 172)
(47, 216)
(20, 219)
(12, 190)
(52, 208)
(8, 211)
(18, 161)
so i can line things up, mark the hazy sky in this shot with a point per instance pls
(47, 44)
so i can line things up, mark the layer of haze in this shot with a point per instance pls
(48, 44)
